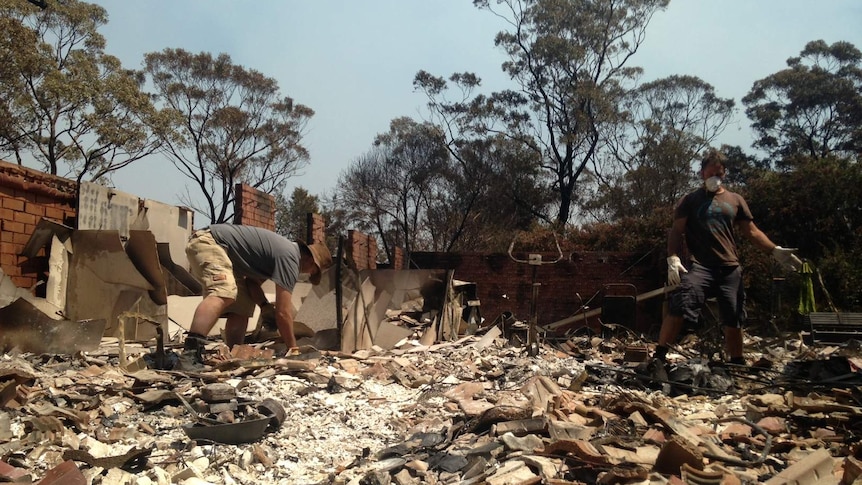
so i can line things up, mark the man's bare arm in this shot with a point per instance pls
(284, 315)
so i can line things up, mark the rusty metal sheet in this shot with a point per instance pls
(142, 251)
(23, 326)
(186, 284)
(101, 254)
(42, 235)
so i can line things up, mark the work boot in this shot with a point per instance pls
(654, 374)
(191, 359)
(657, 369)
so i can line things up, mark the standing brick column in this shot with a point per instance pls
(253, 207)
(361, 250)
(398, 259)
(315, 229)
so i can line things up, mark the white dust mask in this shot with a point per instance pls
(713, 184)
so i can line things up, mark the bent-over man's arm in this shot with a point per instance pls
(284, 315)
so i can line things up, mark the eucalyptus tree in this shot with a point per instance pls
(67, 104)
(389, 189)
(653, 159)
(490, 191)
(291, 215)
(15, 58)
(494, 183)
(569, 62)
(228, 125)
(813, 107)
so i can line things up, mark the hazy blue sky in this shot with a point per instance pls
(353, 61)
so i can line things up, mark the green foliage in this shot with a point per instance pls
(291, 215)
(817, 208)
(646, 234)
(490, 191)
(812, 108)
(66, 103)
(670, 121)
(13, 61)
(227, 125)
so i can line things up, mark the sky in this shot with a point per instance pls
(353, 62)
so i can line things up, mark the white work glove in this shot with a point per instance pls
(786, 258)
(674, 268)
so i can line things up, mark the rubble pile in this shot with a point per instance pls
(477, 410)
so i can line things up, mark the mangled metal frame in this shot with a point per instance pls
(372, 296)
(101, 282)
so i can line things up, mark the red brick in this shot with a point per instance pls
(20, 238)
(23, 281)
(54, 213)
(46, 199)
(6, 214)
(12, 226)
(8, 260)
(24, 217)
(35, 209)
(12, 270)
(7, 191)
(13, 204)
(5, 237)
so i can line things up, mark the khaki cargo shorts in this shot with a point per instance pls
(210, 264)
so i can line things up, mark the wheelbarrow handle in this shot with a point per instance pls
(527, 261)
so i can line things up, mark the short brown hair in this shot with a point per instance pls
(713, 156)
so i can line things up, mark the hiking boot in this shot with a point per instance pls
(654, 374)
(657, 369)
(190, 361)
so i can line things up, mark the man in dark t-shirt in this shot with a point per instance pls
(232, 261)
(706, 220)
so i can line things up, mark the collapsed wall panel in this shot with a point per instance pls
(391, 305)
(103, 282)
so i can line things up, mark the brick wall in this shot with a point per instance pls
(253, 207)
(26, 196)
(398, 259)
(506, 285)
(316, 229)
(361, 250)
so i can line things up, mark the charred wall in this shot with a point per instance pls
(583, 278)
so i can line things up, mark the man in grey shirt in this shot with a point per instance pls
(232, 261)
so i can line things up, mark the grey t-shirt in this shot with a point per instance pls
(259, 253)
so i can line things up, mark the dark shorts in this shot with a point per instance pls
(700, 283)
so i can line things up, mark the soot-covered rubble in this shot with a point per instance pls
(477, 410)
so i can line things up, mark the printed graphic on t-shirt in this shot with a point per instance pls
(716, 215)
